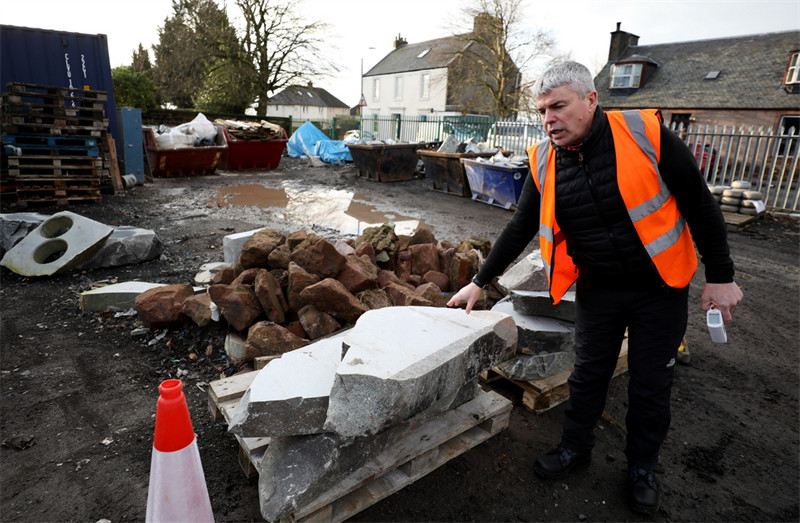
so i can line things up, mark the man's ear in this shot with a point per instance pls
(592, 98)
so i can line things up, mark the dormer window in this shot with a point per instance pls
(793, 71)
(626, 76)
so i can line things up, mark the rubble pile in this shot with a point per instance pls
(261, 130)
(285, 291)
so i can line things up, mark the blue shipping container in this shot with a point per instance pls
(60, 59)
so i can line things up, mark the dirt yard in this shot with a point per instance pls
(79, 391)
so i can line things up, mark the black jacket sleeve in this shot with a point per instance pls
(516, 235)
(679, 171)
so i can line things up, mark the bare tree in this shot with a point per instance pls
(496, 57)
(282, 48)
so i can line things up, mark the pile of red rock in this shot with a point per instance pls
(287, 291)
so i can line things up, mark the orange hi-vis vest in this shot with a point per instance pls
(651, 207)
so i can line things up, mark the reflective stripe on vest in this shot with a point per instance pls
(651, 207)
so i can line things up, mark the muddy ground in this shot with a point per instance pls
(79, 391)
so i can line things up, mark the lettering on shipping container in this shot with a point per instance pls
(69, 76)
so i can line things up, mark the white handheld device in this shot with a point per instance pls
(716, 327)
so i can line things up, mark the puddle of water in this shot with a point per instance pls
(331, 208)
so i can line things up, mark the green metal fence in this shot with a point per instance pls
(426, 128)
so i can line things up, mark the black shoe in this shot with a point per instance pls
(558, 462)
(644, 490)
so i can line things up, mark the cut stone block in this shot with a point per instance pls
(208, 271)
(290, 395)
(545, 346)
(539, 303)
(58, 244)
(232, 245)
(126, 246)
(528, 274)
(295, 470)
(15, 226)
(116, 297)
(399, 360)
(234, 345)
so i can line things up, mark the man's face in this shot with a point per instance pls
(567, 117)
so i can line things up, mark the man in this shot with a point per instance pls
(611, 194)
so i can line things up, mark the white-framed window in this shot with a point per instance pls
(626, 75)
(425, 86)
(793, 71)
(398, 87)
(376, 89)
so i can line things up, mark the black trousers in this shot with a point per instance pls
(656, 322)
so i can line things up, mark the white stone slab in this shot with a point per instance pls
(59, 243)
(232, 245)
(115, 297)
(399, 360)
(289, 396)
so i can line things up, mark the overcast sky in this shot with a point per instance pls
(366, 29)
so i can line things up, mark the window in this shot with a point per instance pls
(398, 87)
(680, 120)
(376, 89)
(425, 86)
(626, 75)
(789, 137)
(793, 72)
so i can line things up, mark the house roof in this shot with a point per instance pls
(751, 74)
(413, 57)
(306, 95)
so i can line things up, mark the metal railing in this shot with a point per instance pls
(765, 158)
(512, 135)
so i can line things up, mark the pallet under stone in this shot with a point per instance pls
(543, 394)
(423, 450)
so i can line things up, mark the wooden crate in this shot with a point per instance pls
(544, 394)
(423, 450)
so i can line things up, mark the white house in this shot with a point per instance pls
(306, 103)
(411, 80)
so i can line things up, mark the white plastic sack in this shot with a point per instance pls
(198, 130)
(175, 140)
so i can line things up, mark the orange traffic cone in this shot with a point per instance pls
(177, 489)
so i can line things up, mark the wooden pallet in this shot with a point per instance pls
(740, 220)
(16, 91)
(57, 121)
(423, 450)
(58, 191)
(39, 166)
(40, 128)
(544, 394)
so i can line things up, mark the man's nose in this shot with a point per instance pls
(549, 117)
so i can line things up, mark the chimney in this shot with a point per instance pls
(400, 42)
(484, 23)
(620, 41)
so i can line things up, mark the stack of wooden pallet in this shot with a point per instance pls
(56, 146)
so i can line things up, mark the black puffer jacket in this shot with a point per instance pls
(590, 211)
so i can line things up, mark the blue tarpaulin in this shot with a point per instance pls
(307, 140)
